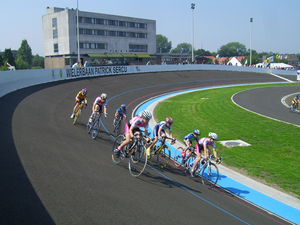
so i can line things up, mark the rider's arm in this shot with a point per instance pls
(215, 153)
(158, 133)
(171, 134)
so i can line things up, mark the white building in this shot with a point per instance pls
(103, 38)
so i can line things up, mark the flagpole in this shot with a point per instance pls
(78, 51)
(251, 20)
(193, 7)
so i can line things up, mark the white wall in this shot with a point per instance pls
(17, 79)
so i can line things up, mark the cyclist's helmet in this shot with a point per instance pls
(84, 91)
(213, 135)
(103, 96)
(123, 106)
(297, 95)
(196, 131)
(169, 120)
(145, 114)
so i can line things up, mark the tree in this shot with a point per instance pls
(202, 52)
(182, 48)
(37, 62)
(162, 44)
(233, 49)
(8, 57)
(25, 53)
(1, 60)
(21, 64)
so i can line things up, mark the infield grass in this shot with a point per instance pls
(274, 153)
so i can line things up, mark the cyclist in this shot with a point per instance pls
(133, 126)
(121, 112)
(100, 104)
(79, 99)
(295, 102)
(159, 132)
(188, 139)
(203, 144)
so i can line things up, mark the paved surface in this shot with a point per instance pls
(270, 94)
(52, 172)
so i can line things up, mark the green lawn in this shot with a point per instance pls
(274, 153)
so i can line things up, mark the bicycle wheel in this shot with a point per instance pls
(163, 157)
(210, 175)
(96, 129)
(137, 161)
(189, 165)
(118, 127)
(76, 115)
(115, 156)
(178, 157)
(114, 125)
(89, 125)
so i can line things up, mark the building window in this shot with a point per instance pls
(112, 22)
(131, 34)
(55, 46)
(54, 22)
(122, 23)
(88, 20)
(93, 46)
(101, 32)
(101, 46)
(67, 61)
(54, 33)
(131, 24)
(112, 33)
(121, 34)
(88, 31)
(142, 35)
(143, 25)
(138, 48)
(100, 21)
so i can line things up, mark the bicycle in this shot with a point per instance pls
(136, 152)
(95, 125)
(295, 110)
(206, 170)
(163, 152)
(117, 125)
(78, 112)
(178, 159)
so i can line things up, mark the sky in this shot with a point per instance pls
(275, 26)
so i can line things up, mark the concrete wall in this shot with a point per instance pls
(17, 79)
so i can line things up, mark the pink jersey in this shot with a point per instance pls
(204, 142)
(135, 122)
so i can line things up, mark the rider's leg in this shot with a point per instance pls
(74, 109)
(196, 163)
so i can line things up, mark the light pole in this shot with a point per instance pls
(193, 7)
(78, 51)
(251, 20)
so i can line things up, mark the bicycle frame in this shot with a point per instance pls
(210, 171)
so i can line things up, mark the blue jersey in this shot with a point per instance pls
(163, 126)
(121, 112)
(191, 137)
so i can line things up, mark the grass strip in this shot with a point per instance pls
(274, 153)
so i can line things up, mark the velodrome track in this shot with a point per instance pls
(52, 172)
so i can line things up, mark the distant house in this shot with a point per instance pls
(223, 60)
